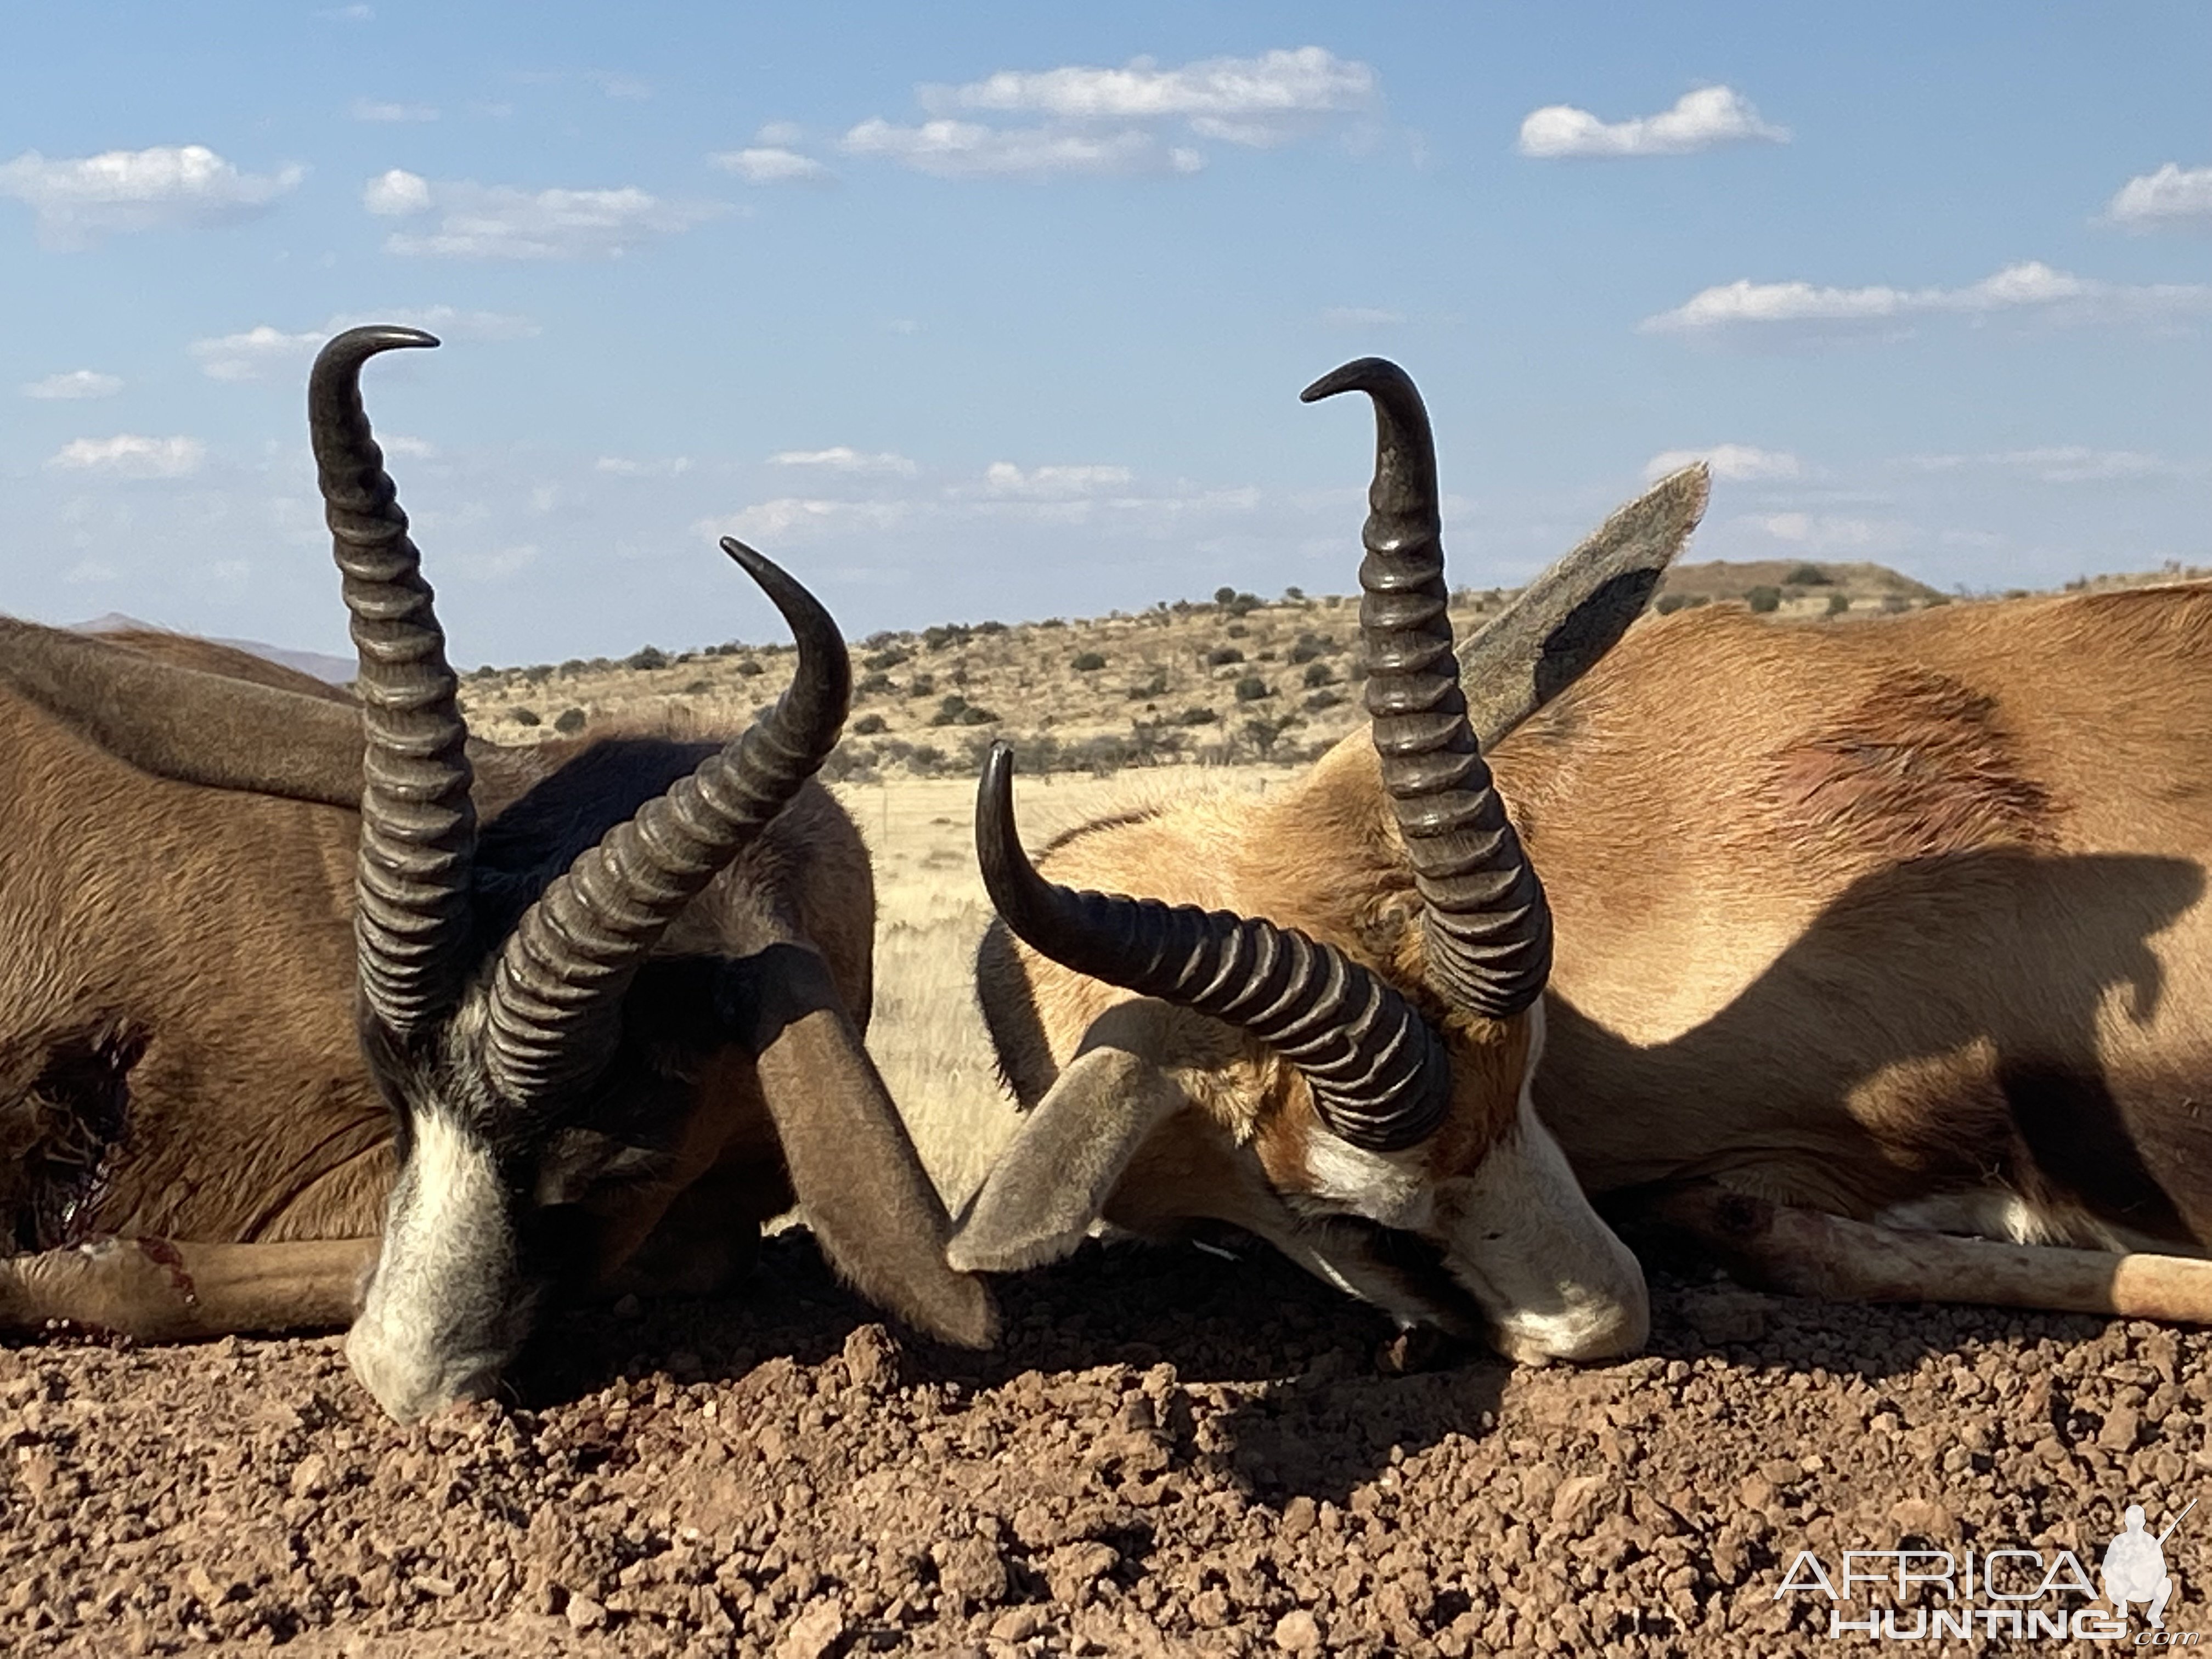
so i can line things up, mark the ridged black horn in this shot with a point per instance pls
(1380, 1075)
(418, 826)
(1487, 930)
(564, 968)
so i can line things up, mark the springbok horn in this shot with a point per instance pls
(1486, 928)
(1379, 1073)
(419, 828)
(572, 956)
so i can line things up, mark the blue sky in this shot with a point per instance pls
(972, 311)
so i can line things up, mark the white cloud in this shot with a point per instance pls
(263, 352)
(395, 194)
(497, 221)
(965, 149)
(2171, 196)
(77, 384)
(130, 456)
(793, 518)
(1004, 479)
(2028, 288)
(399, 446)
(1111, 122)
(622, 467)
(1255, 101)
(90, 570)
(255, 353)
(371, 109)
(498, 564)
(1360, 317)
(771, 164)
(1703, 119)
(447, 322)
(2058, 464)
(1732, 463)
(187, 187)
(1821, 532)
(844, 459)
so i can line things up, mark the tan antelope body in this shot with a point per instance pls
(1858, 933)
(314, 1009)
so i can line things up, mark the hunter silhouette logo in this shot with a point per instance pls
(2135, 1567)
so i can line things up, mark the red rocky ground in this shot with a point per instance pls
(1170, 1454)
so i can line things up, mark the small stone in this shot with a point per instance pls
(311, 1477)
(1016, 1625)
(1922, 1518)
(871, 1358)
(1577, 1495)
(1298, 1516)
(813, 1633)
(1299, 1632)
(583, 1614)
(2121, 1427)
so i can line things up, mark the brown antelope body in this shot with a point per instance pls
(283, 1033)
(1857, 933)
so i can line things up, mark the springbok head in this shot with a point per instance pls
(1401, 1027)
(511, 1004)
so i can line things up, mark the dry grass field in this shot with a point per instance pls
(927, 1035)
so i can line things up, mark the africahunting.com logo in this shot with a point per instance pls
(1918, 1595)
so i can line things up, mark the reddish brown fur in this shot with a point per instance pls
(1849, 918)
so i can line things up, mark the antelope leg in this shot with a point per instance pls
(157, 1290)
(1810, 1252)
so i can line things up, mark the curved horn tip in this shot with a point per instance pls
(357, 345)
(1377, 376)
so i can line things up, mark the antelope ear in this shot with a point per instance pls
(1574, 612)
(1049, 1186)
(158, 707)
(854, 1167)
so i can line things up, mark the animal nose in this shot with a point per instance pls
(409, 1387)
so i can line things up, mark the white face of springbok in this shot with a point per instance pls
(1414, 1111)
(492, 978)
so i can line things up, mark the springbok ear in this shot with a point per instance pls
(1576, 611)
(183, 722)
(853, 1168)
(1052, 1183)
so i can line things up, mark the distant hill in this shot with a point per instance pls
(1733, 579)
(337, 671)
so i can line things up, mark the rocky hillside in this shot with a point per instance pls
(1236, 678)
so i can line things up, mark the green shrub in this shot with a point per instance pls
(570, 722)
(1197, 715)
(1319, 673)
(1087, 662)
(527, 717)
(1763, 600)
(1222, 655)
(1252, 688)
(1837, 603)
(868, 725)
(651, 656)
(1807, 575)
